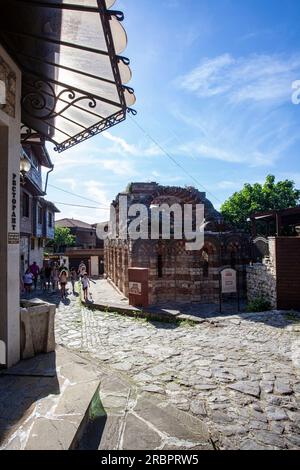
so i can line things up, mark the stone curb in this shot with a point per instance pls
(145, 314)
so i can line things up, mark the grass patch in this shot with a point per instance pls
(292, 317)
(187, 323)
(259, 304)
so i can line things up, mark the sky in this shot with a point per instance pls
(213, 81)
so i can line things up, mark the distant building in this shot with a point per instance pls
(87, 248)
(37, 215)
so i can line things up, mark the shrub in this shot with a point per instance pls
(258, 305)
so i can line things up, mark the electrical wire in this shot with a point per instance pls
(172, 158)
(86, 207)
(74, 194)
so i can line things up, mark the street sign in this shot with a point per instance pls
(229, 284)
(229, 281)
(135, 288)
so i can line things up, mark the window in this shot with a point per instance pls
(40, 215)
(159, 266)
(32, 244)
(233, 259)
(205, 264)
(50, 220)
(25, 205)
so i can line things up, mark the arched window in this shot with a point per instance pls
(205, 264)
(159, 266)
(233, 259)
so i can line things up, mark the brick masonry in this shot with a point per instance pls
(177, 275)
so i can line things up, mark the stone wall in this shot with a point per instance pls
(175, 274)
(262, 278)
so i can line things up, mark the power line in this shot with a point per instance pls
(74, 194)
(172, 158)
(86, 207)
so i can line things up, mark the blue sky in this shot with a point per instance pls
(213, 81)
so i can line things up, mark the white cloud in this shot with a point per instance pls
(70, 183)
(257, 77)
(119, 167)
(135, 150)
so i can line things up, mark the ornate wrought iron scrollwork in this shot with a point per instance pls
(92, 131)
(132, 111)
(129, 89)
(119, 15)
(41, 102)
(27, 133)
(123, 59)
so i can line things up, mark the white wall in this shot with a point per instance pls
(9, 253)
(94, 265)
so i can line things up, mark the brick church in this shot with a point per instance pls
(175, 274)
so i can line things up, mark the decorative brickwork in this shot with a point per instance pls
(176, 275)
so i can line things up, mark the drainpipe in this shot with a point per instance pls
(46, 183)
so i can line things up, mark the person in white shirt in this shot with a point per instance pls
(85, 286)
(28, 281)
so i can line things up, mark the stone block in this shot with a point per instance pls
(37, 329)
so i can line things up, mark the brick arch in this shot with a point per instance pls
(233, 245)
(177, 195)
(210, 247)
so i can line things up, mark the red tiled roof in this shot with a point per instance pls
(71, 223)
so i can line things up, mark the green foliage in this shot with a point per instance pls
(259, 198)
(258, 305)
(63, 238)
(129, 188)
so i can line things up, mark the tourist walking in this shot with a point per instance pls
(81, 269)
(55, 277)
(42, 279)
(35, 270)
(74, 278)
(28, 281)
(63, 279)
(85, 286)
(48, 276)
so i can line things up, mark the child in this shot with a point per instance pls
(63, 278)
(28, 281)
(85, 285)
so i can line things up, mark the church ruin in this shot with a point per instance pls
(175, 274)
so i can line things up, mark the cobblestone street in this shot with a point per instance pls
(238, 374)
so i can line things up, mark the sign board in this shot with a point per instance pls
(228, 281)
(13, 238)
(135, 288)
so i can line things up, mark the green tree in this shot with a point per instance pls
(63, 238)
(259, 198)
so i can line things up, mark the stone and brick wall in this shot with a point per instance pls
(277, 278)
(175, 274)
(262, 279)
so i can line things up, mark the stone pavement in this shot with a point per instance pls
(103, 296)
(236, 377)
(62, 401)
(239, 374)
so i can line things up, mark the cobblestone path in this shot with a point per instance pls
(240, 375)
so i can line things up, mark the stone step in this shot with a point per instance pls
(44, 411)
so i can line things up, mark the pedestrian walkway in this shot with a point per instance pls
(62, 401)
(104, 296)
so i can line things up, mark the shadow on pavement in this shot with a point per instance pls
(22, 386)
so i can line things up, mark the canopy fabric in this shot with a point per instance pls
(73, 75)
